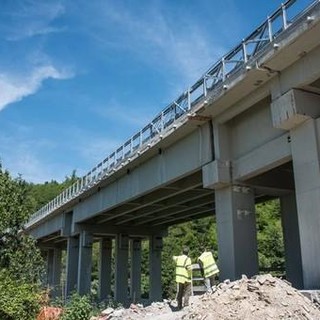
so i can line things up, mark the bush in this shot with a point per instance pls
(18, 300)
(77, 308)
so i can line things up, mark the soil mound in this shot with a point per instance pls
(262, 297)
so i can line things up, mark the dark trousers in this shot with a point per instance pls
(184, 291)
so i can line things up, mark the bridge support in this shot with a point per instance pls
(72, 265)
(155, 248)
(135, 274)
(121, 268)
(237, 237)
(291, 240)
(105, 268)
(305, 144)
(85, 263)
(296, 111)
(49, 260)
(56, 272)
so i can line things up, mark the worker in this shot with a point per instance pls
(208, 268)
(183, 277)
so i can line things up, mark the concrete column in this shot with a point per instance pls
(155, 248)
(135, 272)
(56, 272)
(85, 263)
(121, 268)
(237, 236)
(291, 237)
(305, 145)
(72, 265)
(50, 254)
(105, 268)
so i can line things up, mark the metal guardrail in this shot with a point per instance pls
(229, 64)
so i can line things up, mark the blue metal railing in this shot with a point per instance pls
(229, 64)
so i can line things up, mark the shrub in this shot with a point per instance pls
(18, 300)
(77, 308)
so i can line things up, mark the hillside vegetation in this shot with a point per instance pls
(22, 268)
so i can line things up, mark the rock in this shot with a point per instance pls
(107, 311)
(49, 313)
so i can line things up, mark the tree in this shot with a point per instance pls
(21, 265)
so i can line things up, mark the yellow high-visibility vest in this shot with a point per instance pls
(210, 267)
(183, 268)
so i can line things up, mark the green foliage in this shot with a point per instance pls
(77, 308)
(18, 252)
(270, 236)
(18, 299)
(21, 264)
(43, 193)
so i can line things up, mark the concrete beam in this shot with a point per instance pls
(192, 181)
(266, 157)
(216, 174)
(183, 211)
(161, 170)
(293, 108)
(111, 230)
(172, 202)
(50, 226)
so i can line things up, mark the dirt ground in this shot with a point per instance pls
(263, 297)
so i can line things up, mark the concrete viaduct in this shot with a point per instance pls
(245, 132)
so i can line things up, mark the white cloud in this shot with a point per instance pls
(32, 18)
(14, 88)
(179, 45)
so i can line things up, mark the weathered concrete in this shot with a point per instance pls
(291, 237)
(135, 271)
(72, 265)
(121, 268)
(237, 239)
(105, 256)
(155, 248)
(56, 272)
(85, 263)
(306, 160)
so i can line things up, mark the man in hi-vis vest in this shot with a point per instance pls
(208, 268)
(183, 277)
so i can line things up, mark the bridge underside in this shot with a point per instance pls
(182, 201)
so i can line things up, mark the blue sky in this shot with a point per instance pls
(77, 78)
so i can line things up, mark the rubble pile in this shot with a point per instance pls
(156, 311)
(262, 297)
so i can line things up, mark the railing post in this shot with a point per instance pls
(223, 69)
(205, 86)
(284, 16)
(270, 29)
(244, 51)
